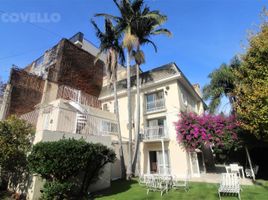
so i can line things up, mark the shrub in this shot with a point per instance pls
(56, 190)
(217, 130)
(61, 162)
(15, 143)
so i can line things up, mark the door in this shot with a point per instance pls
(47, 121)
(152, 129)
(194, 164)
(153, 162)
(162, 166)
(201, 162)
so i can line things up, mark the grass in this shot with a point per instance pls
(131, 190)
(5, 195)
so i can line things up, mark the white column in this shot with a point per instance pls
(164, 157)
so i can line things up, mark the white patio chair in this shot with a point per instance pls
(142, 180)
(234, 168)
(229, 184)
(180, 182)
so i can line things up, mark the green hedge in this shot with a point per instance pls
(62, 162)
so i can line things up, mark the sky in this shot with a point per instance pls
(206, 33)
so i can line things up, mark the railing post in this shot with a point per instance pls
(79, 96)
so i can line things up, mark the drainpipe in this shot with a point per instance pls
(163, 154)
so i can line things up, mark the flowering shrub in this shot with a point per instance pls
(193, 131)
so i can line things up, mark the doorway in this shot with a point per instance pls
(156, 162)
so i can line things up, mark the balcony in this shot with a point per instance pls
(78, 96)
(155, 133)
(156, 105)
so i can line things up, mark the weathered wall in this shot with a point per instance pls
(27, 90)
(75, 68)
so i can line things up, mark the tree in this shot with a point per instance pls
(131, 12)
(61, 162)
(195, 131)
(15, 142)
(143, 29)
(222, 83)
(2, 88)
(252, 86)
(110, 45)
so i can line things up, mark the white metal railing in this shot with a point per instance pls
(78, 96)
(31, 117)
(91, 125)
(155, 105)
(155, 132)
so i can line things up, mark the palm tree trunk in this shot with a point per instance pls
(129, 168)
(121, 153)
(137, 121)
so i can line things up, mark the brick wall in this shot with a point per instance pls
(26, 92)
(75, 68)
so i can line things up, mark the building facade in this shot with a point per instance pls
(65, 94)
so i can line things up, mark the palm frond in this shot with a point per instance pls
(98, 32)
(112, 17)
(137, 5)
(162, 31)
(160, 19)
(148, 41)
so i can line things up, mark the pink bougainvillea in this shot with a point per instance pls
(193, 131)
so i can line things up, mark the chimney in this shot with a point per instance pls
(197, 89)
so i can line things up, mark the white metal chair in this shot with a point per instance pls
(142, 180)
(229, 184)
(234, 168)
(180, 182)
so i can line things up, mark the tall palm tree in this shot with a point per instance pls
(130, 13)
(110, 45)
(143, 29)
(222, 83)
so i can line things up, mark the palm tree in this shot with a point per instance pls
(222, 83)
(143, 29)
(131, 12)
(110, 45)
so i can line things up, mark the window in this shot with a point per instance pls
(159, 163)
(105, 107)
(155, 101)
(109, 127)
(184, 99)
(156, 129)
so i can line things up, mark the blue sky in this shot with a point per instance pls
(206, 33)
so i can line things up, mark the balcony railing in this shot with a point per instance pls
(31, 117)
(155, 133)
(155, 105)
(78, 96)
(91, 125)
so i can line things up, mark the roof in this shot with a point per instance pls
(146, 77)
(156, 74)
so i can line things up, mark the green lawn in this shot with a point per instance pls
(123, 190)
